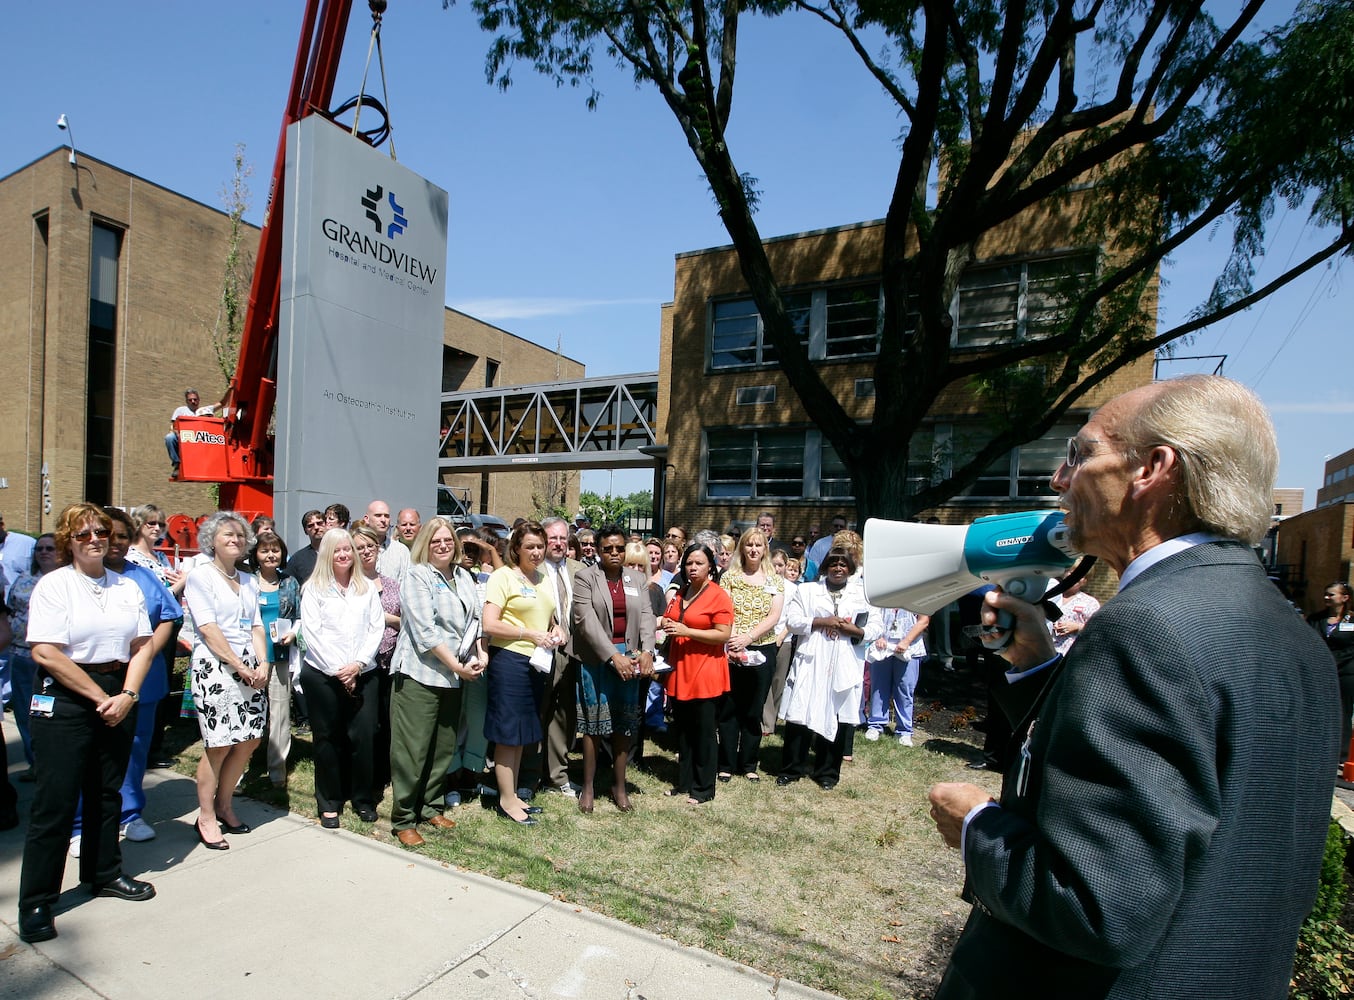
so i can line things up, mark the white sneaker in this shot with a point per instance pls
(904, 739)
(75, 846)
(138, 830)
(872, 735)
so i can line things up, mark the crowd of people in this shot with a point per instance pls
(1155, 804)
(438, 661)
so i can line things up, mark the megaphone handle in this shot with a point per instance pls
(998, 636)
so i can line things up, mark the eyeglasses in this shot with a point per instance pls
(442, 543)
(52, 548)
(88, 533)
(156, 524)
(589, 545)
(606, 548)
(1076, 453)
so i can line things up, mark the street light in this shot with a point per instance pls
(65, 126)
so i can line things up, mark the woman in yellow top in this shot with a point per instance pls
(521, 620)
(758, 593)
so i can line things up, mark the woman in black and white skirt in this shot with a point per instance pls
(230, 671)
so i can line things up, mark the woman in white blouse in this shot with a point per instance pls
(229, 671)
(341, 624)
(90, 638)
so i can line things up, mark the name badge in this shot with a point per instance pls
(42, 705)
(1346, 627)
(770, 589)
(631, 592)
(528, 592)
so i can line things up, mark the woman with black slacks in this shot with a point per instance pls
(90, 637)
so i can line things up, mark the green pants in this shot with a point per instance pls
(422, 742)
(474, 702)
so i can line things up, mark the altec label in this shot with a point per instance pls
(201, 437)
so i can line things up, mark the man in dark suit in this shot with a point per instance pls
(1160, 833)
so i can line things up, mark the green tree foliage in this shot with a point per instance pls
(238, 268)
(605, 510)
(1186, 124)
(1324, 966)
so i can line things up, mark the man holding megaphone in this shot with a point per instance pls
(1161, 831)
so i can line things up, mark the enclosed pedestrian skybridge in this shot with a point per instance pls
(592, 423)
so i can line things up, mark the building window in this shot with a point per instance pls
(766, 462)
(750, 395)
(100, 370)
(754, 463)
(1022, 472)
(851, 324)
(1019, 300)
(490, 373)
(799, 464)
(841, 321)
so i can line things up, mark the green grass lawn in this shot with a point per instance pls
(849, 891)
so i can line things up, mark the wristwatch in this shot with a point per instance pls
(131, 694)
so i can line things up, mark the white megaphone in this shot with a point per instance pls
(923, 567)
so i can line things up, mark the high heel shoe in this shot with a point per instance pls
(238, 828)
(504, 814)
(211, 845)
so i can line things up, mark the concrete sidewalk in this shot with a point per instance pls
(295, 910)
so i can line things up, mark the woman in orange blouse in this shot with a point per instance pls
(699, 619)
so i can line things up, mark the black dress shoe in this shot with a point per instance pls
(126, 887)
(35, 924)
(504, 814)
(329, 822)
(827, 785)
(211, 845)
(156, 763)
(366, 814)
(237, 828)
(979, 765)
(786, 779)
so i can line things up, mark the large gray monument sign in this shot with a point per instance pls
(360, 338)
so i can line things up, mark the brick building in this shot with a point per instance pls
(1337, 486)
(108, 296)
(477, 355)
(1316, 548)
(741, 442)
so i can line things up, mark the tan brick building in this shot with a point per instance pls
(109, 292)
(741, 442)
(1337, 486)
(477, 355)
(1316, 548)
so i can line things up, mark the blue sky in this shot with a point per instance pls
(564, 222)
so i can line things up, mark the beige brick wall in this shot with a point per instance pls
(521, 362)
(1318, 547)
(695, 398)
(169, 277)
(171, 266)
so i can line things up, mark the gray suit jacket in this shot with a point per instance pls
(1167, 837)
(592, 615)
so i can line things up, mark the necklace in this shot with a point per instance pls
(232, 577)
(97, 588)
(688, 601)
